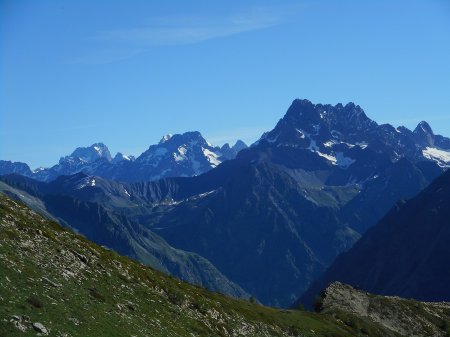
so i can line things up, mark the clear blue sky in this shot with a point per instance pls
(125, 73)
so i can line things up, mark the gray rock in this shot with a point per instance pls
(40, 328)
(53, 284)
(18, 322)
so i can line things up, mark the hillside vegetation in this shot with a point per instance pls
(57, 283)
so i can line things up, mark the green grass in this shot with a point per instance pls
(76, 288)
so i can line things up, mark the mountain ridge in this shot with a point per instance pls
(186, 154)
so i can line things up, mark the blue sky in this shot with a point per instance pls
(125, 73)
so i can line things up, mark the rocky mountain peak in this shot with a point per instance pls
(424, 134)
(178, 139)
(165, 138)
(186, 154)
(423, 127)
(239, 145)
(305, 122)
(230, 152)
(119, 157)
(91, 153)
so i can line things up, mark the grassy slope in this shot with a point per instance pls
(75, 288)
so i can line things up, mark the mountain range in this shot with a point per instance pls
(275, 217)
(180, 155)
(288, 205)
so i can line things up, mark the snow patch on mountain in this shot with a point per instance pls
(212, 157)
(302, 134)
(126, 192)
(441, 157)
(327, 157)
(202, 195)
(179, 156)
(165, 138)
(88, 181)
(362, 145)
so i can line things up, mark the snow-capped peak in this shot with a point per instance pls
(91, 153)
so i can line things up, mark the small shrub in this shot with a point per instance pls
(35, 302)
(444, 325)
(200, 307)
(364, 331)
(97, 295)
(175, 297)
(351, 323)
(12, 235)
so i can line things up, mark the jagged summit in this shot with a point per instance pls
(190, 136)
(334, 132)
(350, 117)
(230, 152)
(239, 145)
(423, 127)
(165, 138)
(186, 154)
(120, 157)
(90, 154)
(330, 131)
(424, 134)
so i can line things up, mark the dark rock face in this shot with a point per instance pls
(405, 254)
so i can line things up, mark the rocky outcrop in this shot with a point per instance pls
(401, 316)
